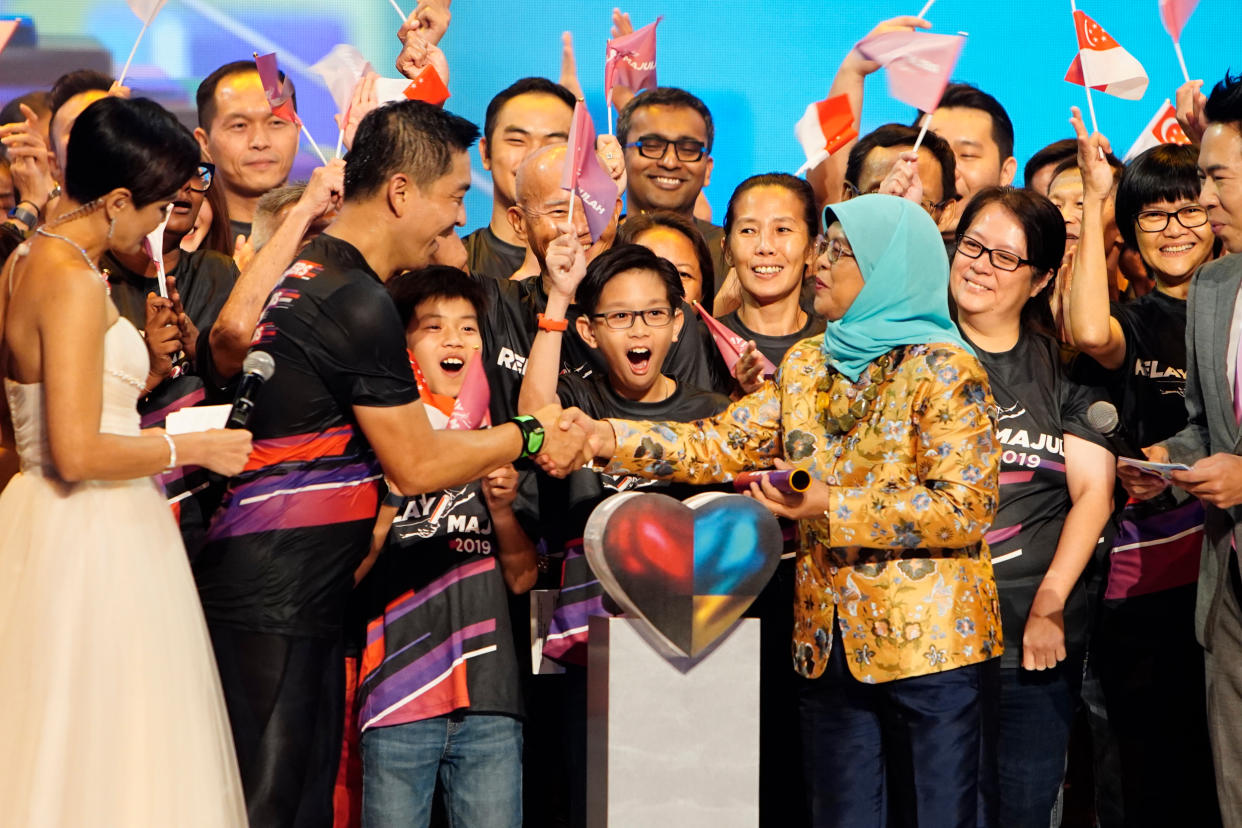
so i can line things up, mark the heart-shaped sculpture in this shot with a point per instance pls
(688, 570)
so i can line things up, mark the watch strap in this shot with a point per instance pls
(532, 434)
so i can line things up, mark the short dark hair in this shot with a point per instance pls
(639, 223)
(799, 187)
(900, 135)
(524, 86)
(408, 136)
(966, 96)
(1044, 229)
(411, 288)
(619, 259)
(75, 83)
(1051, 155)
(136, 144)
(664, 96)
(1167, 172)
(205, 97)
(38, 100)
(1224, 105)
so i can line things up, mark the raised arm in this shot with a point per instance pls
(1091, 325)
(566, 266)
(230, 335)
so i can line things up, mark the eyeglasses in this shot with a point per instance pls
(201, 182)
(933, 208)
(833, 249)
(1000, 259)
(1153, 221)
(653, 146)
(621, 320)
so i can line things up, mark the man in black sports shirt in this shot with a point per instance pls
(338, 416)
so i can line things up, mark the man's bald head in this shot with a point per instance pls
(539, 173)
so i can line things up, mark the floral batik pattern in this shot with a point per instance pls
(910, 455)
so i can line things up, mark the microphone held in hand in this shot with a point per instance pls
(1103, 419)
(257, 369)
(789, 481)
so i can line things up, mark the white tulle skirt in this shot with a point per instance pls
(110, 706)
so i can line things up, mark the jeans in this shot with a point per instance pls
(477, 757)
(910, 747)
(1028, 727)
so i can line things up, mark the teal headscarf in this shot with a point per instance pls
(905, 294)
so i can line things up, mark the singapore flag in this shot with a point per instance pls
(1103, 65)
(1163, 129)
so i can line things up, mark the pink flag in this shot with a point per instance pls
(279, 93)
(7, 27)
(631, 60)
(824, 128)
(730, 344)
(1103, 65)
(918, 64)
(146, 10)
(585, 177)
(1174, 14)
(1162, 129)
(341, 69)
(471, 410)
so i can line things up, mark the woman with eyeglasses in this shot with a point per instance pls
(771, 226)
(895, 610)
(1144, 650)
(1056, 486)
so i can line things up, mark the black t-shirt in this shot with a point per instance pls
(1039, 404)
(774, 347)
(488, 255)
(714, 236)
(282, 550)
(1149, 388)
(512, 319)
(239, 228)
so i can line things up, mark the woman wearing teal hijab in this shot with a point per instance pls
(895, 605)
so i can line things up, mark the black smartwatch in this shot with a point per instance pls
(532, 434)
(26, 217)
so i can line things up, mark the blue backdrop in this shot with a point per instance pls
(757, 64)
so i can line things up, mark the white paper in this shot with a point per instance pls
(1160, 469)
(197, 418)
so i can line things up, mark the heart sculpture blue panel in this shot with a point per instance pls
(688, 570)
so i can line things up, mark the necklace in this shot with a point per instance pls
(842, 403)
(43, 231)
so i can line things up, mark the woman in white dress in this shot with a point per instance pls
(110, 705)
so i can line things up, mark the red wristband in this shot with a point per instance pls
(558, 325)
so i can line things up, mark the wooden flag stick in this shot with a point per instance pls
(926, 8)
(1181, 60)
(120, 81)
(398, 8)
(918, 142)
(573, 196)
(314, 146)
(340, 141)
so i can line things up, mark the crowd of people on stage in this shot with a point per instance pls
(322, 618)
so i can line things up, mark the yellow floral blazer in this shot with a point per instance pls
(900, 559)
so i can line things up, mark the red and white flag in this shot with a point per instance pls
(1162, 129)
(1103, 65)
(341, 69)
(824, 128)
(1174, 14)
(585, 177)
(7, 28)
(918, 64)
(278, 90)
(146, 10)
(730, 344)
(631, 60)
(427, 86)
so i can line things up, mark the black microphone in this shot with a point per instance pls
(257, 369)
(1103, 419)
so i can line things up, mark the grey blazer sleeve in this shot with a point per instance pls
(1191, 443)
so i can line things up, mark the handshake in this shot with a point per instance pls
(572, 439)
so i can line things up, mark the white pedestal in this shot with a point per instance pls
(667, 747)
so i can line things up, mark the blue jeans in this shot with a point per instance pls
(477, 757)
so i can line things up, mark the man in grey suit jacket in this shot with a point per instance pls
(1211, 442)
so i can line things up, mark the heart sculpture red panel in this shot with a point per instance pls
(688, 570)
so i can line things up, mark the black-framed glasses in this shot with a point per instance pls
(621, 320)
(1000, 259)
(654, 147)
(833, 249)
(200, 182)
(1153, 221)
